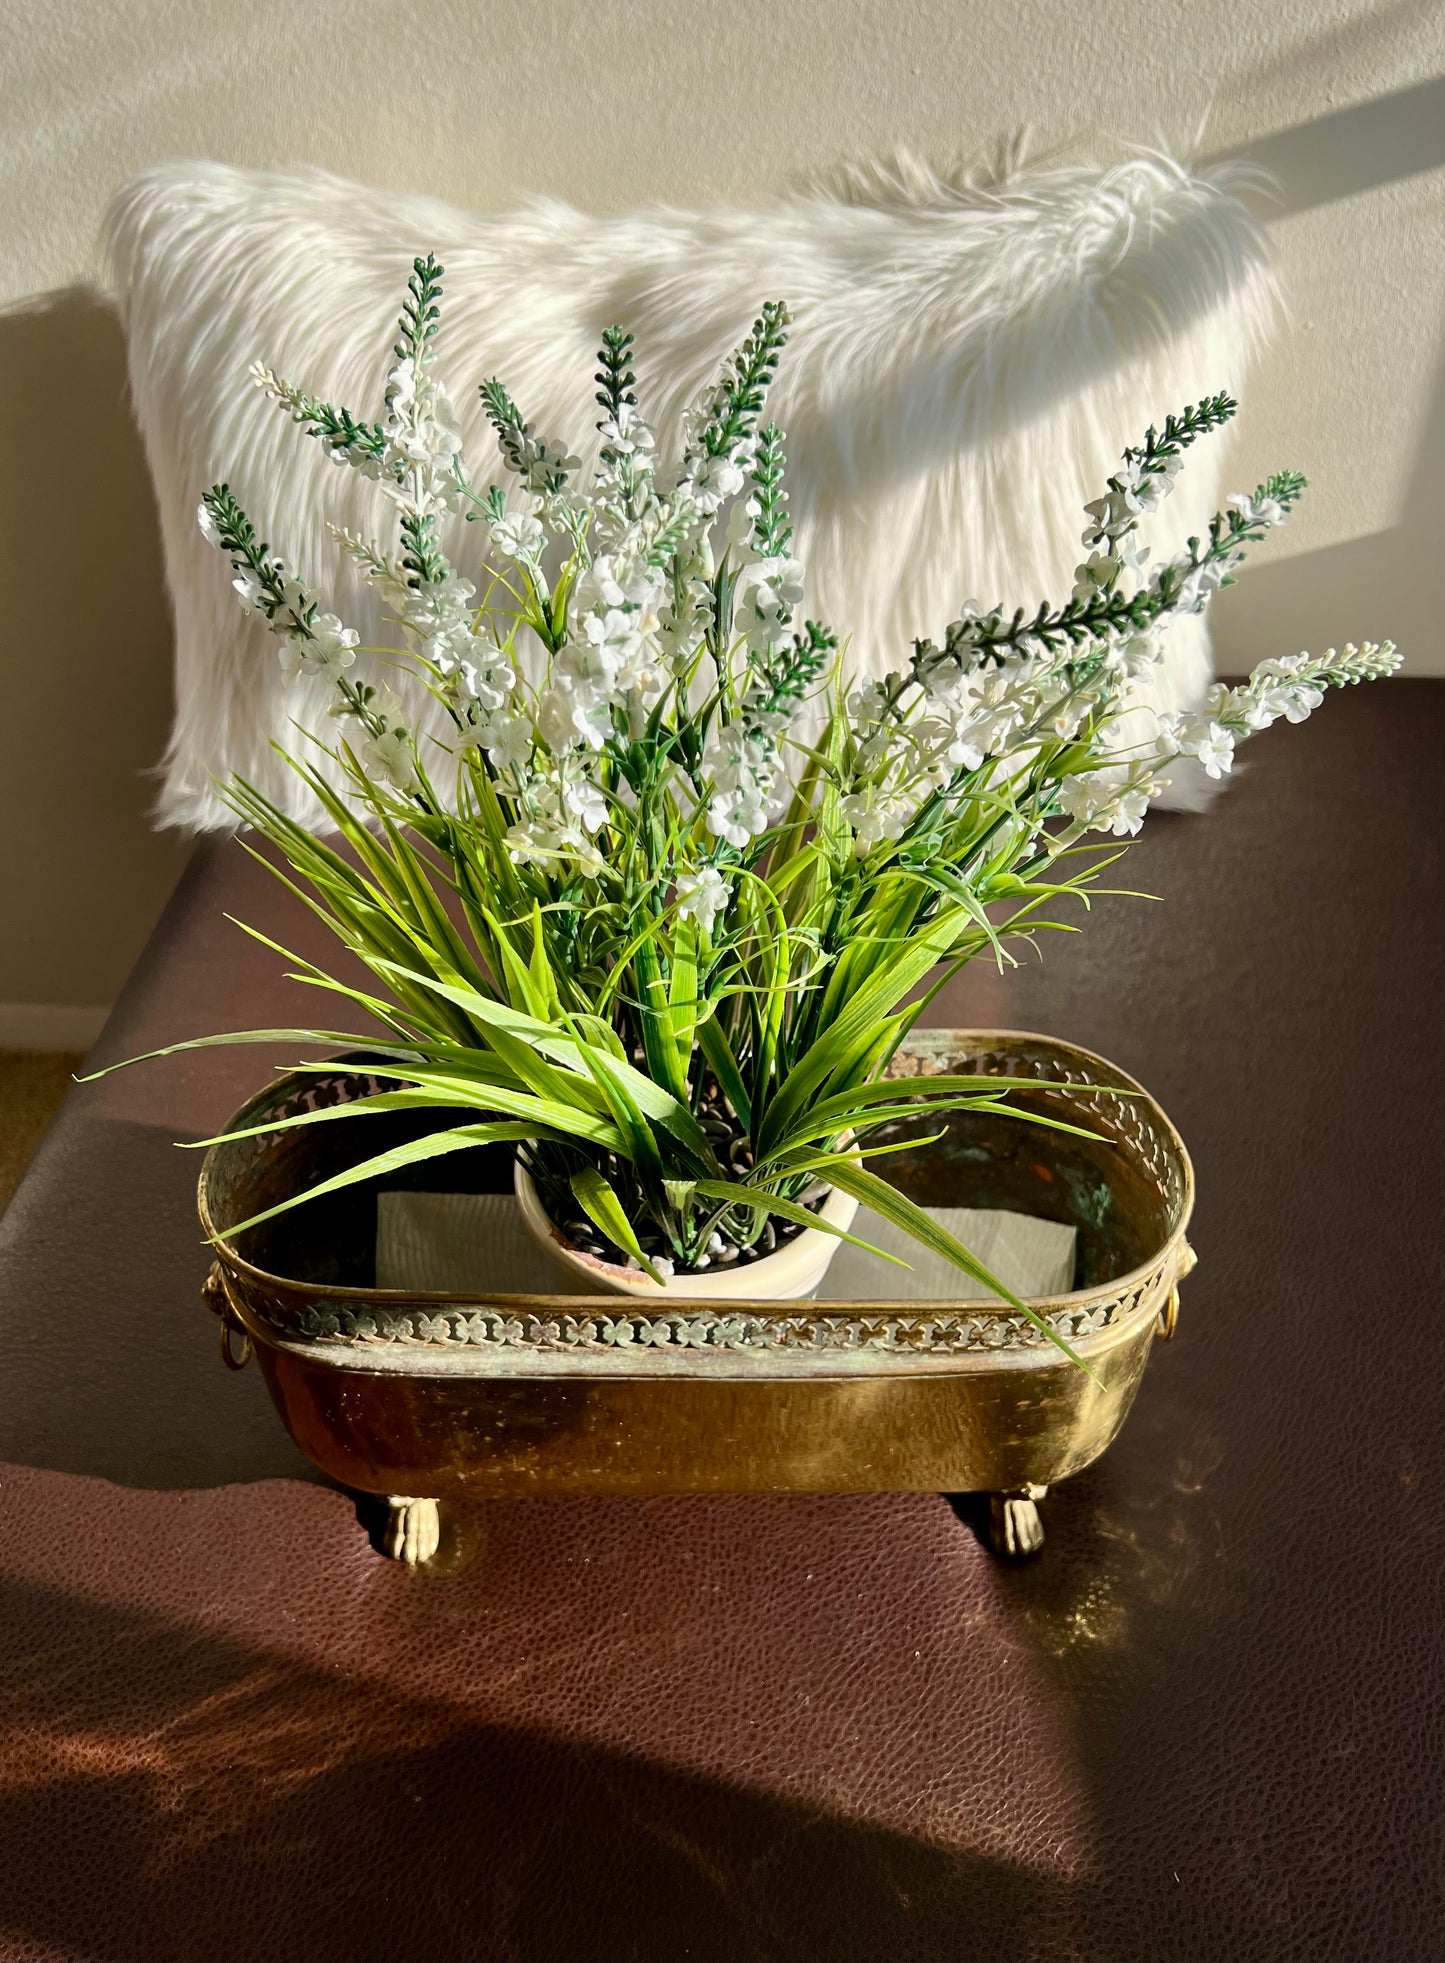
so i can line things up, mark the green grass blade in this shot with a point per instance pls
(682, 1002)
(651, 1099)
(603, 1208)
(856, 1025)
(758, 1201)
(892, 1204)
(306, 971)
(544, 981)
(898, 1089)
(655, 1022)
(357, 1107)
(721, 1061)
(324, 1038)
(638, 1143)
(431, 1147)
(521, 984)
(483, 1090)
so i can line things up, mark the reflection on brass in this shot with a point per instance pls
(438, 1396)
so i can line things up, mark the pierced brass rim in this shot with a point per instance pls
(251, 1292)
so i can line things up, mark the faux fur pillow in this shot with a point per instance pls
(965, 366)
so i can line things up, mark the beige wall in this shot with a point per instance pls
(610, 102)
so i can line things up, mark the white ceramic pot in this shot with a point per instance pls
(794, 1270)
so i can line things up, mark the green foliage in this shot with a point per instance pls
(671, 952)
(792, 676)
(483, 1021)
(738, 398)
(1180, 431)
(421, 557)
(772, 533)
(616, 382)
(506, 419)
(337, 429)
(421, 311)
(272, 591)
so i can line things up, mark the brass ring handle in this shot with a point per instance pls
(1168, 1316)
(217, 1298)
(213, 1290)
(228, 1355)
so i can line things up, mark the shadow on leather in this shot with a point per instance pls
(168, 1796)
(111, 1364)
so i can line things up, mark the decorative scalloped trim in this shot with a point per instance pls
(952, 1334)
(310, 1316)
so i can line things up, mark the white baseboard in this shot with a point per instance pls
(50, 1025)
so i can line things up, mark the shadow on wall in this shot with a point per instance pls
(1386, 583)
(1390, 582)
(1353, 150)
(86, 660)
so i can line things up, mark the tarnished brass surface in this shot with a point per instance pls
(441, 1396)
(893, 1429)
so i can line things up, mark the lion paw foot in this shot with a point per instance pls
(412, 1531)
(1014, 1526)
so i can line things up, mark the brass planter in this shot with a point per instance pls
(432, 1397)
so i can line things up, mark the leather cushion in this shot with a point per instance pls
(1203, 1724)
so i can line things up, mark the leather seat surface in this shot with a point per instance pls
(1204, 1724)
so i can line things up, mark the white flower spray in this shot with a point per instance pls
(661, 594)
(682, 841)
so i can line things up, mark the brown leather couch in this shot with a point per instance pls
(1204, 1724)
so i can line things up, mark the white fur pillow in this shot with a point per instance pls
(965, 366)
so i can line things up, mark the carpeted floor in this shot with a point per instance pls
(31, 1087)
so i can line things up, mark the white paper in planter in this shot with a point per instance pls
(476, 1244)
(1034, 1257)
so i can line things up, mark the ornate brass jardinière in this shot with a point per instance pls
(438, 1396)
